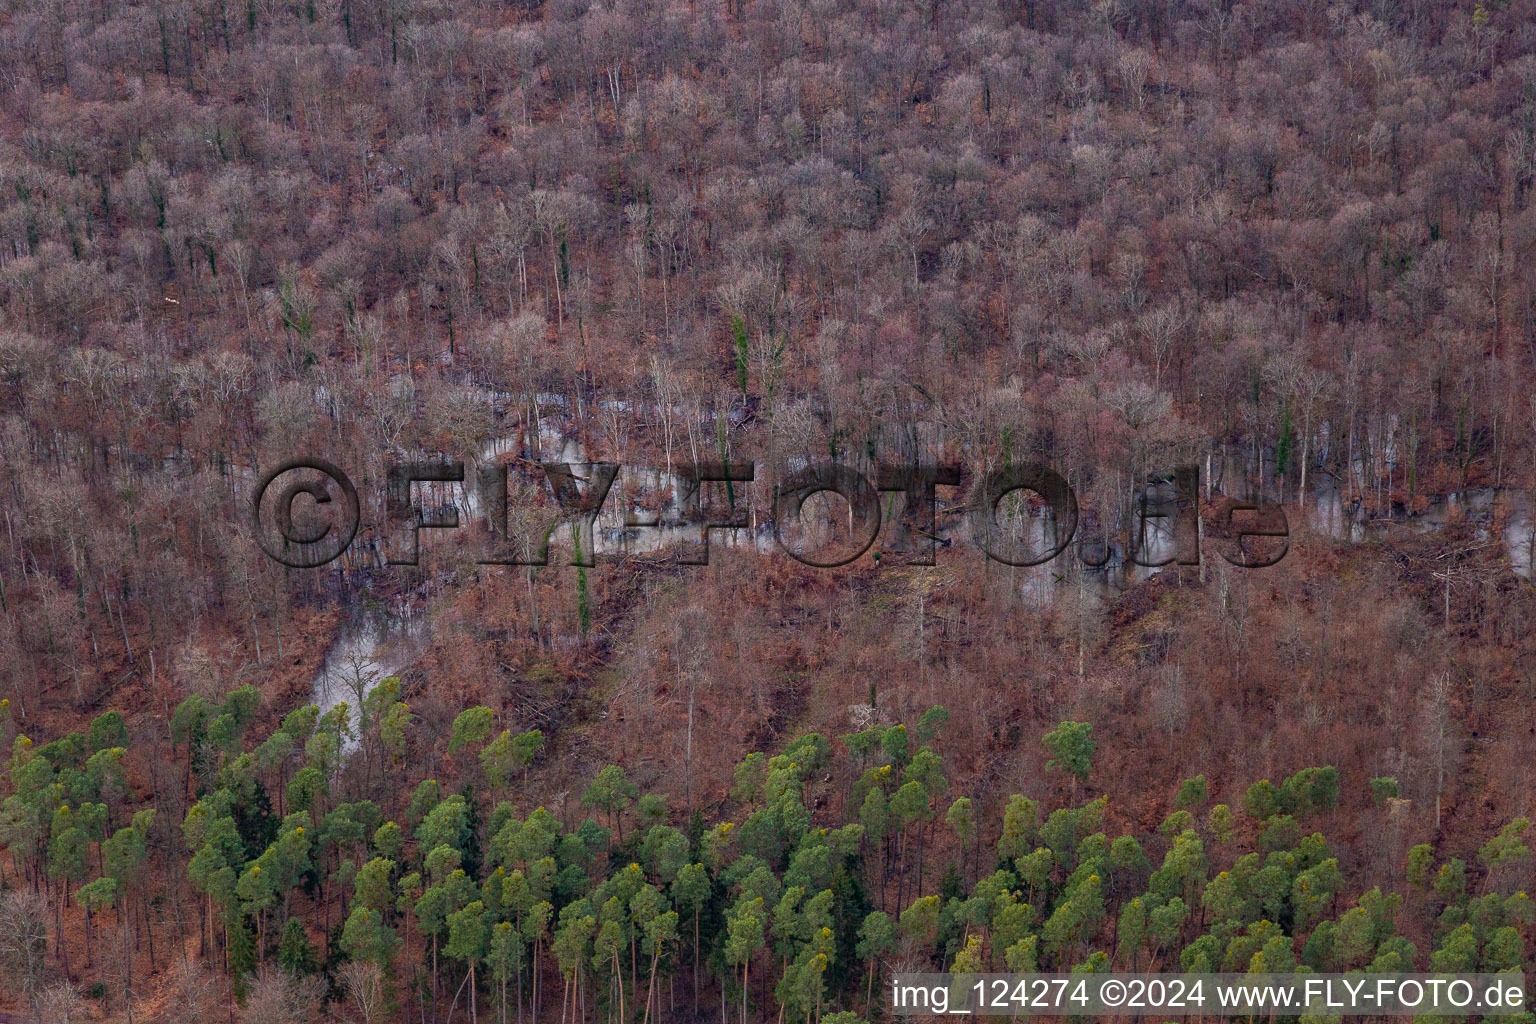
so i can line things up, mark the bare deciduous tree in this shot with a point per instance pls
(278, 997)
(364, 982)
(200, 996)
(62, 1003)
(23, 941)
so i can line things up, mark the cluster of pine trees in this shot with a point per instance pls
(451, 904)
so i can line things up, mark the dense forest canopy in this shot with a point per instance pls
(811, 906)
(1287, 242)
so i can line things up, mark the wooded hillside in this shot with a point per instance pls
(1286, 242)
